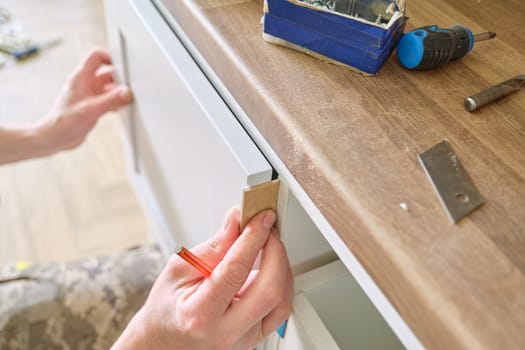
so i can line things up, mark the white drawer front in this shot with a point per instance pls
(187, 145)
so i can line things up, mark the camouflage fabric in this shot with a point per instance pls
(83, 304)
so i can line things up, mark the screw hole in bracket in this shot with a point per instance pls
(463, 198)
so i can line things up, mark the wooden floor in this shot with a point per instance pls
(77, 203)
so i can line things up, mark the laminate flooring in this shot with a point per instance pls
(76, 203)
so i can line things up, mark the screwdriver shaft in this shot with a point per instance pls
(484, 36)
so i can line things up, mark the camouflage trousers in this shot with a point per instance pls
(83, 304)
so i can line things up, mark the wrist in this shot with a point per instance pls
(21, 143)
(133, 336)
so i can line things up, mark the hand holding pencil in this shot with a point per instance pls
(232, 308)
(193, 260)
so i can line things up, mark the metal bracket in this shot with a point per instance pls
(450, 180)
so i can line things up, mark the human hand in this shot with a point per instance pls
(89, 93)
(234, 308)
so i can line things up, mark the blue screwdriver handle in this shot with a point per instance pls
(430, 47)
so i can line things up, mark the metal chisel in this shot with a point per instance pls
(494, 93)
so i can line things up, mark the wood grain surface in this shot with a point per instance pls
(352, 142)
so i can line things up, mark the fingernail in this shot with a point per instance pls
(269, 219)
(125, 94)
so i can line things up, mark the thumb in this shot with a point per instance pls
(231, 273)
(110, 100)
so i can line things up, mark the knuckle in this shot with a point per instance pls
(95, 53)
(74, 79)
(172, 261)
(92, 54)
(195, 325)
(280, 248)
(214, 243)
(98, 51)
(273, 296)
(235, 273)
(285, 311)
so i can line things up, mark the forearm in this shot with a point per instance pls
(22, 142)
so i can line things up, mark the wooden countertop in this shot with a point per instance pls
(352, 143)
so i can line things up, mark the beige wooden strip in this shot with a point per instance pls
(258, 198)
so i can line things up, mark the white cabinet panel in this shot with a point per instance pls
(187, 147)
(330, 311)
(305, 244)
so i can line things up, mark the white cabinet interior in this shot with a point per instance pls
(330, 311)
(305, 245)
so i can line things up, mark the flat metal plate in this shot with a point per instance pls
(452, 183)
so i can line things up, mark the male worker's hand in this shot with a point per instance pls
(234, 308)
(89, 93)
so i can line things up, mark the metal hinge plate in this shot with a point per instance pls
(452, 183)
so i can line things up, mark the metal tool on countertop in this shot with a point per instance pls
(431, 47)
(10, 42)
(450, 180)
(377, 11)
(33, 49)
(12, 35)
(494, 93)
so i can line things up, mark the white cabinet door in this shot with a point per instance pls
(190, 155)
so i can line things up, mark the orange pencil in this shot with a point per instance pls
(193, 260)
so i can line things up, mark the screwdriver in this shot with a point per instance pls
(28, 51)
(431, 47)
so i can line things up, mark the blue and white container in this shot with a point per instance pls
(352, 39)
